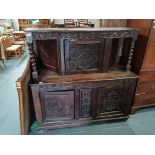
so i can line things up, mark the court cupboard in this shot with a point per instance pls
(81, 76)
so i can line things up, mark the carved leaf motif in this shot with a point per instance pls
(84, 35)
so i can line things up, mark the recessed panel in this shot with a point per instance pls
(59, 105)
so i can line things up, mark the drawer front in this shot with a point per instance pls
(145, 88)
(144, 99)
(147, 76)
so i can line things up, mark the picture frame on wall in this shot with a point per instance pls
(68, 21)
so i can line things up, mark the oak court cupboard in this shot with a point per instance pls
(81, 75)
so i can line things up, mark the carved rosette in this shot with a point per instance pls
(110, 102)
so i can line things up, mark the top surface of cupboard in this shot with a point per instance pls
(81, 29)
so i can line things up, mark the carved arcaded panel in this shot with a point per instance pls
(85, 96)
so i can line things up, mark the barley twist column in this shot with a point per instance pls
(32, 57)
(128, 65)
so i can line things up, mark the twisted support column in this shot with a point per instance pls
(32, 57)
(128, 65)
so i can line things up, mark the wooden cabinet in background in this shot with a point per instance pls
(144, 26)
(144, 63)
(113, 22)
(24, 23)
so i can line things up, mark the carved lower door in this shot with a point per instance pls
(57, 106)
(112, 101)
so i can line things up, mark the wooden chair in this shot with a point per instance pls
(19, 39)
(12, 50)
(19, 35)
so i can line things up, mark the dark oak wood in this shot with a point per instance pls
(83, 56)
(47, 53)
(79, 77)
(107, 53)
(113, 100)
(70, 51)
(57, 106)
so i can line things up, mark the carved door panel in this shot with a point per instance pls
(83, 56)
(47, 50)
(58, 106)
(111, 100)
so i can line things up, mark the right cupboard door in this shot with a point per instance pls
(113, 101)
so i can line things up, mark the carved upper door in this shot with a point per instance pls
(58, 106)
(83, 56)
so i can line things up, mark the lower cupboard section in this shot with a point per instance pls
(77, 103)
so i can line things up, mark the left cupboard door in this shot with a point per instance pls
(57, 106)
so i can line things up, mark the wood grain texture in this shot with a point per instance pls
(149, 62)
(144, 26)
(55, 105)
(145, 92)
(24, 102)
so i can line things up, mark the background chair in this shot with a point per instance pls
(12, 50)
(19, 39)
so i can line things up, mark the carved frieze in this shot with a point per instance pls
(84, 35)
(80, 85)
